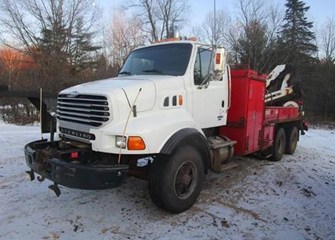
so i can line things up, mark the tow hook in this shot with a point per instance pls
(40, 178)
(54, 187)
(31, 175)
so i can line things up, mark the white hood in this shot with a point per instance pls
(129, 86)
(124, 87)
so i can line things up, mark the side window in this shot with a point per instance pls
(202, 66)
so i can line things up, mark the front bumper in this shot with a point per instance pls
(54, 163)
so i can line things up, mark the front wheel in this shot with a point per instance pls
(175, 183)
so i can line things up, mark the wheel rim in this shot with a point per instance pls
(185, 180)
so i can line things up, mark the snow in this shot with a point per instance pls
(251, 199)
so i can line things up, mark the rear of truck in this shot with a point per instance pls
(269, 131)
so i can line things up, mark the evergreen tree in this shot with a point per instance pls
(253, 47)
(52, 50)
(296, 38)
(81, 49)
(66, 53)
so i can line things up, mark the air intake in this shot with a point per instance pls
(83, 109)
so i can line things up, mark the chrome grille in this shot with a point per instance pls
(84, 109)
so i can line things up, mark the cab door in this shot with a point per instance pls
(209, 96)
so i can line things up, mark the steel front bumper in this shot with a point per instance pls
(46, 159)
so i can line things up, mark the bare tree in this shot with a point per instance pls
(55, 33)
(218, 36)
(327, 40)
(10, 62)
(251, 10)
(320, 87)
(159, 17)
(253, 37)
(250, 36)
(24, 20)
(123, 35)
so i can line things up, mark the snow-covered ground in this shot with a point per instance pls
(252, 199)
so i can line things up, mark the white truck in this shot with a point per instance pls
(167, 108)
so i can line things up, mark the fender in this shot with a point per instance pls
(188, 136)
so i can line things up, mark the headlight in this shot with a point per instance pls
(121, 141)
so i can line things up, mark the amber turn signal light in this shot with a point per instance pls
(135, 143)
(218, 58)
(180, 100)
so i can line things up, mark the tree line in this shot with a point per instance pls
(54, 44)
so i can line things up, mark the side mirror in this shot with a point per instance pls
(220, 63)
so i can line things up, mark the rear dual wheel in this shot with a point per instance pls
(285, 142)
(292, 140)
(278, 148)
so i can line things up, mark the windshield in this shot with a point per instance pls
(169, 59)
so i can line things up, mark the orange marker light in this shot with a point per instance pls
(218, 58)
(135, 143)
(192, 39)
(180, 100)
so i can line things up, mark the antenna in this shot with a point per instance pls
(41, 111)
(126, 125)
(214, 30)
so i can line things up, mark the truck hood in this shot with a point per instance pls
(123, 88)
(127, 88)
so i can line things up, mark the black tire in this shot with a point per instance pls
(279, 145)
(292, 140)
(175, 183)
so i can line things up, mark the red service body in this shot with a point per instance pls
(249, 121)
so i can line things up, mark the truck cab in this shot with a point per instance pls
(175, 86)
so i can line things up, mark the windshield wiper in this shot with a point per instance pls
(125, 73)
(153, 71)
